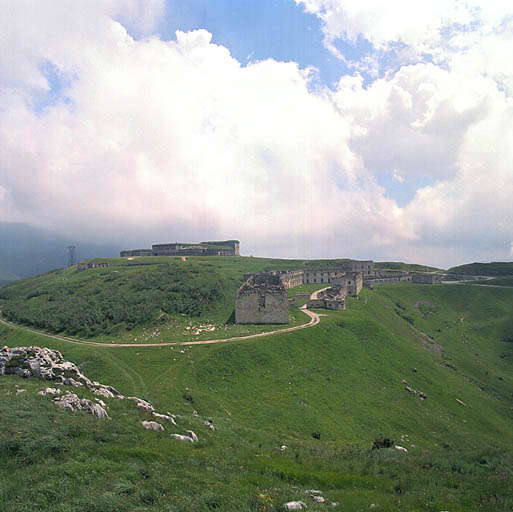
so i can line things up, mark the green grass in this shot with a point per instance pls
(498, 281)
(146, 299)
(406, 267)
(484, 269)
(341, 379)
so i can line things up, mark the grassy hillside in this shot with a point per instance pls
(406, 267)
(142, 299)
(484, 269)
(5, 275)
(325, 392)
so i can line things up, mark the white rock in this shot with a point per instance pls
(192, 435)
(294, 505)
(209, 425)
(95, 409)
(141, 404)
(152, 425)
(186, 439)
(101, 391)
(283, 448)
(164, 417)
(318, 499)
(401, 448)
(50, 391)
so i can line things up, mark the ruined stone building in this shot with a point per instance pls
(426, 278)
(213, 248)
(354, 283)
(262, 299)
(136, 252)
(92, 264)
(332, 297)
(384, 276)
(365, 267)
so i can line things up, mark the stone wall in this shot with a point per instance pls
(136, 252)
(354, 283)
(323, 275)
(92, 264)
(262, 299)
(427, 278)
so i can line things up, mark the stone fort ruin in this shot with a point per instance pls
(263, 298)
(213, 248)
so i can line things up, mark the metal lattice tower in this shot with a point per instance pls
(71, 255)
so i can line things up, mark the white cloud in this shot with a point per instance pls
(165, 140)
(177, 138)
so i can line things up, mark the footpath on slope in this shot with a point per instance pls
(314, 320)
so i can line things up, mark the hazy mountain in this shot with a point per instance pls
(27, 251)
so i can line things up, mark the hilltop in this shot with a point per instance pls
(500, 268)
(326, 393)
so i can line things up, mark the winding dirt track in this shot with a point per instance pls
(314, 320)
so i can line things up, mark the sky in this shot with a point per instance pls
(303, 128)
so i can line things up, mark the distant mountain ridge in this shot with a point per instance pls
(27, 251)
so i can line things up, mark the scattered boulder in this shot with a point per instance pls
(294, 505)
(209, 424)
(186, 439)
(48, 364)
(50, 391)
(152, 425)
(420, 394)
(165, 417)
(142, 405)
(318, 499)
(401, 448)
(283, 448)
(192, 435)
(72, 402)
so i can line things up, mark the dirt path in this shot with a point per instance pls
(315, 294)
(314, 320)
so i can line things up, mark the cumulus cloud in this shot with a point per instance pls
(109, 131)
(177, 139)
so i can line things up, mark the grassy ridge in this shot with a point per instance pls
(340, 380)
(484, 269)
(406, 267)
(142, 299)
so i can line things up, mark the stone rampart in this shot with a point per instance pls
(262, 299)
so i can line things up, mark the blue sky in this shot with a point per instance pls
(257, 30)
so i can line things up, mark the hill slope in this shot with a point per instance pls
(326, 393)
(484, 269)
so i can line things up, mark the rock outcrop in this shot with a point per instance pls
(152, 425)
(48, 364)
(72, 402)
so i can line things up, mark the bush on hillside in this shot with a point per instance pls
(98, 303)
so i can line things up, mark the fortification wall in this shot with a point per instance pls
(354, 283)
(262, 299)
(427, 278)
